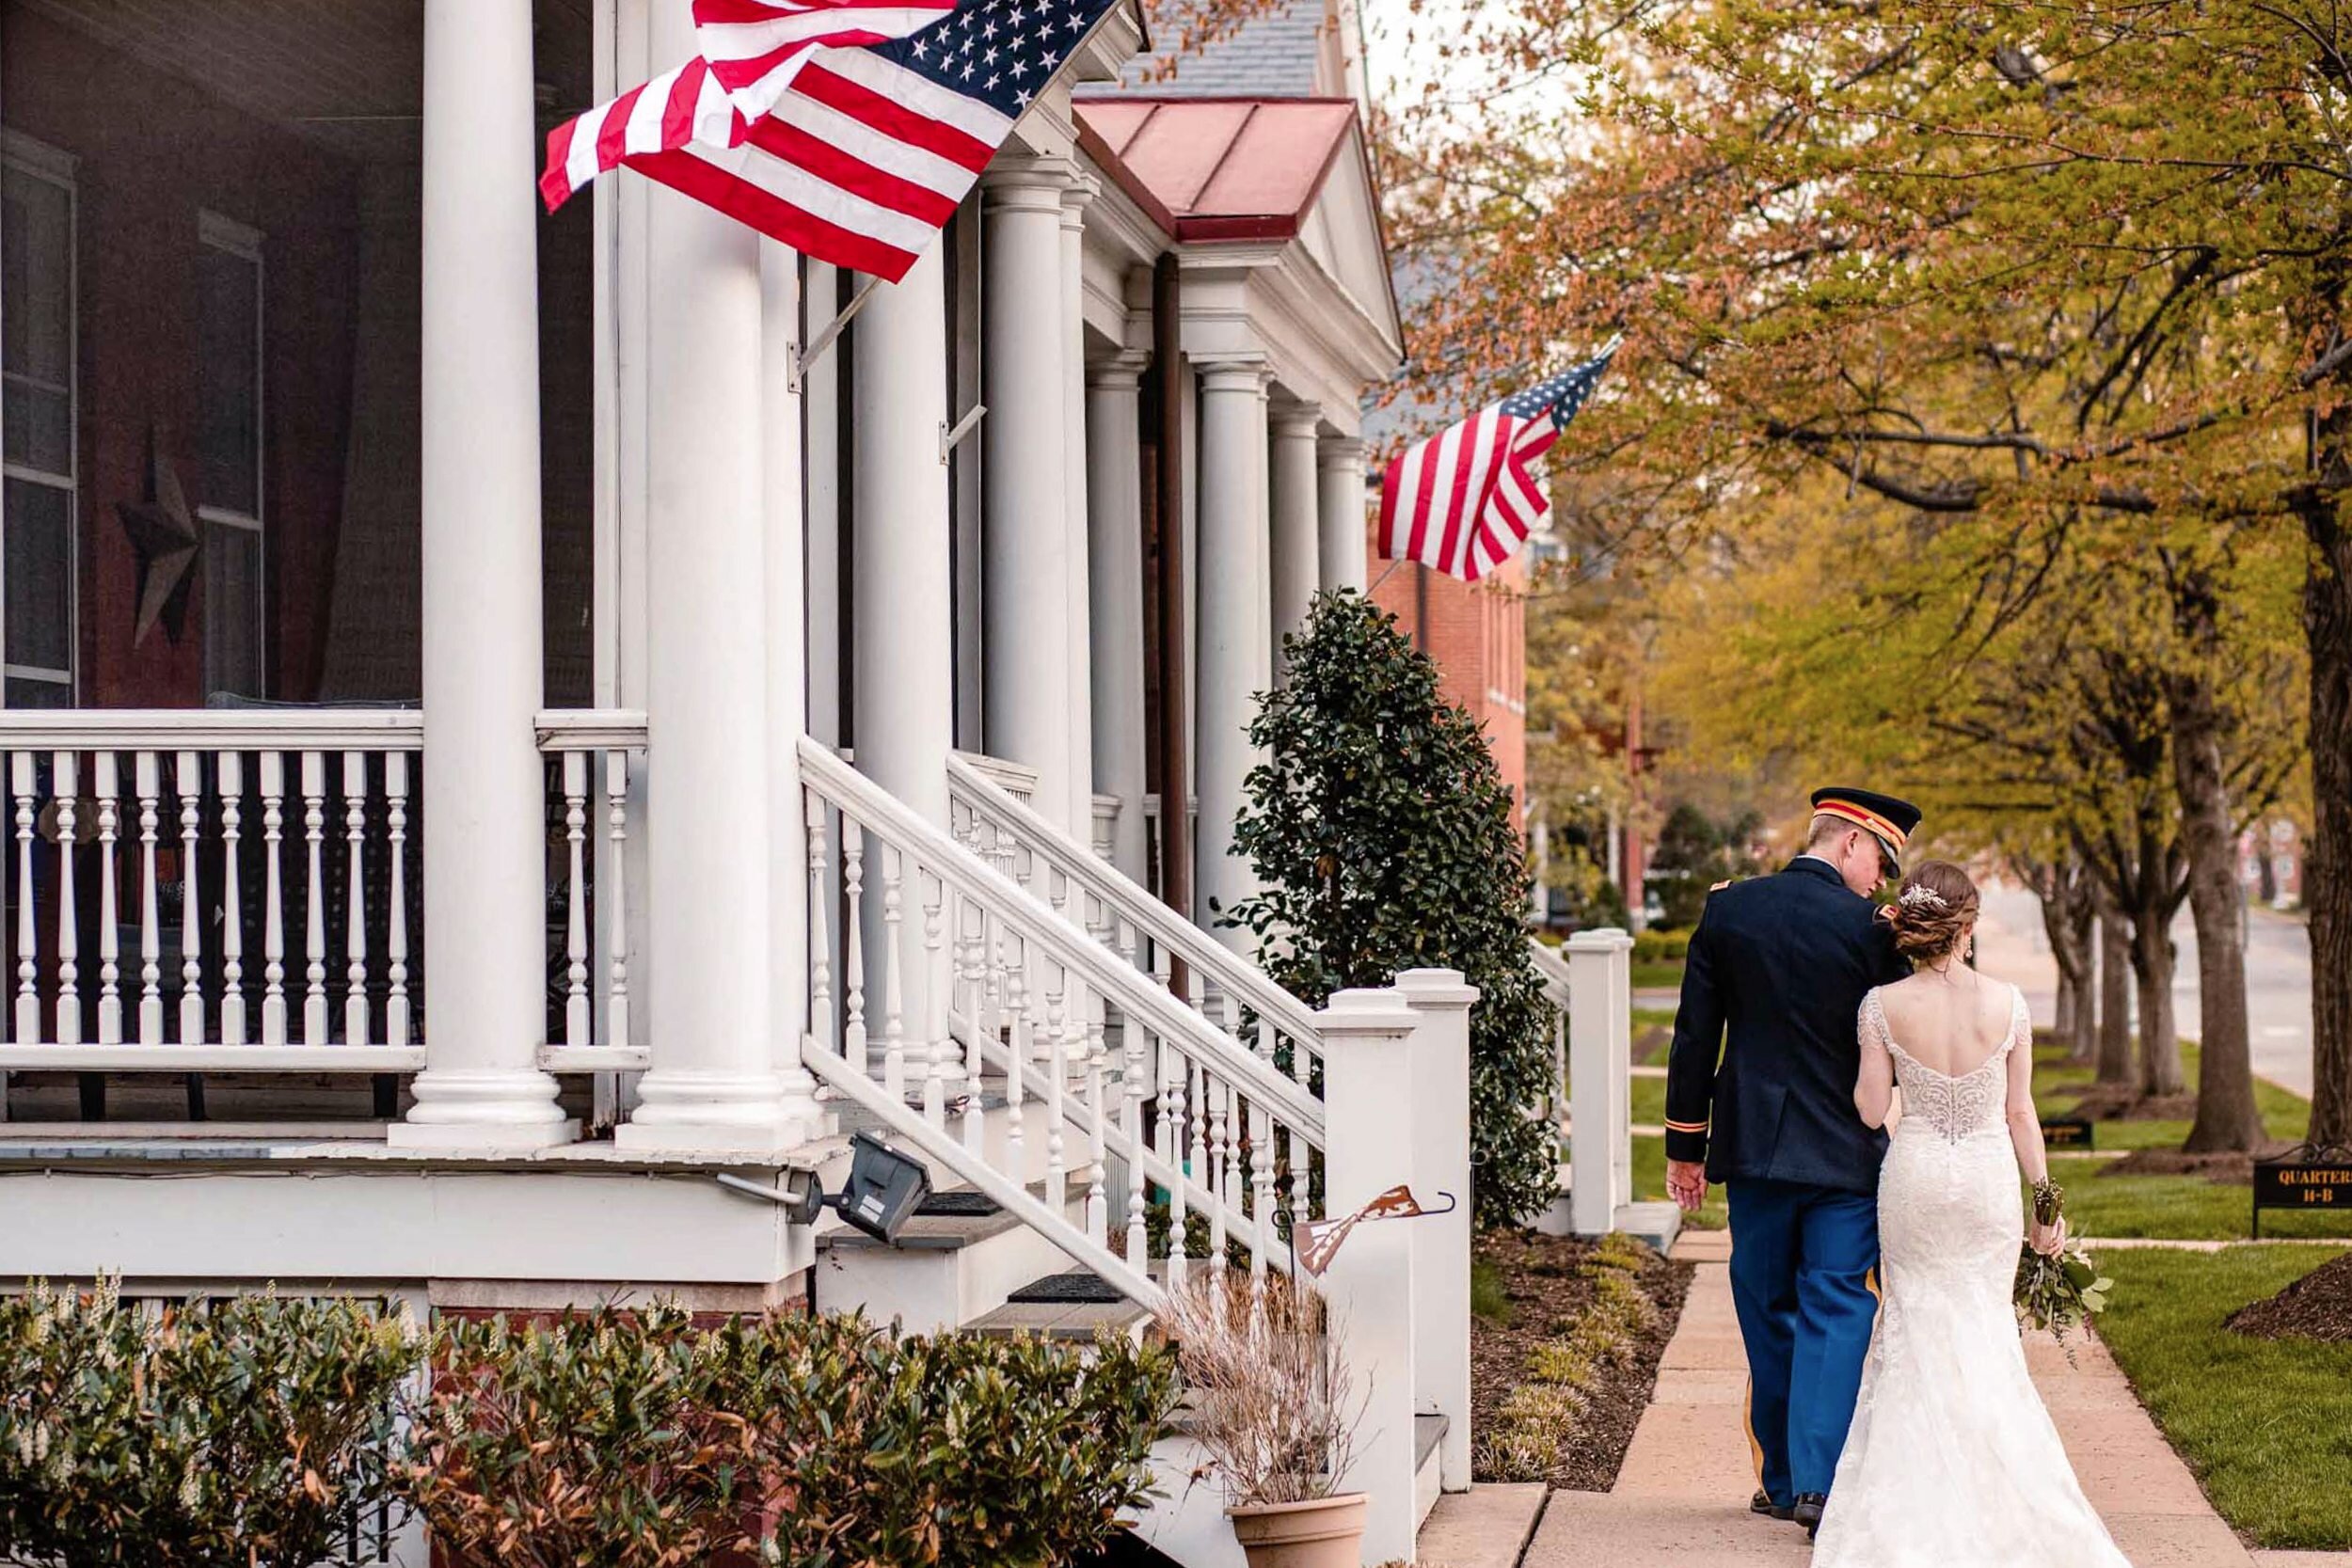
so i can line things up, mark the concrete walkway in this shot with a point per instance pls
(1682, 1500)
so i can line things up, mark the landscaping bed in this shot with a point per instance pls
(1564, 1345)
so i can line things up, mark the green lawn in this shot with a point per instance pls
(2265, 1424)
(2058, 1083)
(1660, 975)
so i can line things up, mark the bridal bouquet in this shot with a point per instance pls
(2058, 1291)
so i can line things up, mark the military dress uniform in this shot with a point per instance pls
(1759, 1085)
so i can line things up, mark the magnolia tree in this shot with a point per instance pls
(1384, 839)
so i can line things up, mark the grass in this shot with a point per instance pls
(1658, 976)
(2058, 1083)
(1489, 1298)
(2265, 1424)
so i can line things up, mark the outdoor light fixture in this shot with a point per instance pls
(885, 1189)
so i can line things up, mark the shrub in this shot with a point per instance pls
(643, 1440)
(1384, 839)
(243, 1434)
(1662, 947)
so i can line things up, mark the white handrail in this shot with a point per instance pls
(1246, 984)
(202, 729)
(846, 788)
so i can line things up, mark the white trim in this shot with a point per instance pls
(221, 232)
(55, 166)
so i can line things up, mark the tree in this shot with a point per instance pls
(1383, 839)
(2034, 275)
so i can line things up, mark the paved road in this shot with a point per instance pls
(2278, 978)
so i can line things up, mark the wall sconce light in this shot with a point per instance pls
(884, 1190)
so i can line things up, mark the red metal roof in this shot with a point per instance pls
(1218, 169)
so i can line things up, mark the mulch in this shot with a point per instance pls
(1546, 1285)
(2121, 1104)
(2222, 1170)
(2316, 1307)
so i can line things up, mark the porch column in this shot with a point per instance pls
(484, 831)
(1234, 617)
(1026, 618)
(1340, 463)
(1075, 198)
(1115, 564)
(904, 617)
(903, 622)
(1295, 542)
(713, 1082)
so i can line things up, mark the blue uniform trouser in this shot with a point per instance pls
(1804, 1277)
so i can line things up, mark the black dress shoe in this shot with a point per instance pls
(1763, 1504)
(1808, 1511)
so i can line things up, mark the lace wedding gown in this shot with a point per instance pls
(1951, 1461)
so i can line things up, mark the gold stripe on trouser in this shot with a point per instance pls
(1870, 1283)
(1747, 1421)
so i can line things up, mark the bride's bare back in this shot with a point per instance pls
(1950, 1022)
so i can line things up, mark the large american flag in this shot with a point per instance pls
(1462, 501)
(847, 128)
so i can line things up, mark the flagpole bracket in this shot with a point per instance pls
(949, 439)
(802, 358)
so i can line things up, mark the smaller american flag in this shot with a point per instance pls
(1462, 501)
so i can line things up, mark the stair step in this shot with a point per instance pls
(1073, 1287)
(1057, 1320)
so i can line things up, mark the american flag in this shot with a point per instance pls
(1462, 501)
(846, 129)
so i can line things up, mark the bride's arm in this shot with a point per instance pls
(2025, 1133)
(1874, 1089)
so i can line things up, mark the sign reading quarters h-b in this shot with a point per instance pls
(2066, 1132)
(2303, 1179)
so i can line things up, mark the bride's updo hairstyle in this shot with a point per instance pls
(1933, 912)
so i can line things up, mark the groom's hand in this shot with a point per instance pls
(1686, 1184)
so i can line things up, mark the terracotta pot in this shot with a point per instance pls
(1321, 1532)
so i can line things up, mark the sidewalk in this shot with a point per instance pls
(1682, 1500)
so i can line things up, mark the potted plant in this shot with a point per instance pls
(1267, 1398)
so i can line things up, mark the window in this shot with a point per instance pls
(38, 500)
(228, 451)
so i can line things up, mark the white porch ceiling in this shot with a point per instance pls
(348, 73)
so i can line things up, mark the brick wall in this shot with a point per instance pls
(1477, 634)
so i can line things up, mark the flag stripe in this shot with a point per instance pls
(690, 172)
(846, 170)
(919, 94)
(824, 86)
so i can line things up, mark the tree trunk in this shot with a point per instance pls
(2153, 962)
(2068, 1003)
(2115, 998)
(2327, 858)
(2066, 919)
(2227, 1119)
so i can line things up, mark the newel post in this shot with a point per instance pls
(1440, 1096)
(1600, 1078)
(1368, 1116)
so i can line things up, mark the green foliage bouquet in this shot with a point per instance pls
(1385, 839)
(2058, 1291)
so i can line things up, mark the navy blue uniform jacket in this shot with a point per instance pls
(1760, 1082)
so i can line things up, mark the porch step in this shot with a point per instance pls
(957, 1261)
(1428, 1436)
(1068, 1305)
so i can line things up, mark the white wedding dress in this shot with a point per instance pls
(1951, 1461)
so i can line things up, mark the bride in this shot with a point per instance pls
(1951, 1461)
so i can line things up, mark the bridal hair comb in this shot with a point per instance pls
(1920, 895)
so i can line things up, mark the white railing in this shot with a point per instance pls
(213, 889)
(1552, 969)
(1255, 1013)
(953, 979)
(596, 784)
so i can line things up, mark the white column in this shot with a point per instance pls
(484, 831)
(1367, 1039)
(1596, 1066)
(1296, 518)
(712, 1083)
(788, 681)
(1027, 548)
(1231, 664)
(1075, 198)
(903, 623)
(1442, 1243)
(1115, 598)
(1341, 471)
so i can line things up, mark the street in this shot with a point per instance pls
(2011, 945)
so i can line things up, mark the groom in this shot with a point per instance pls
(1784, 961)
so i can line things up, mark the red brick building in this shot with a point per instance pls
(1477, 633)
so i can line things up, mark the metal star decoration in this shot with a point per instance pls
(163, 534)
